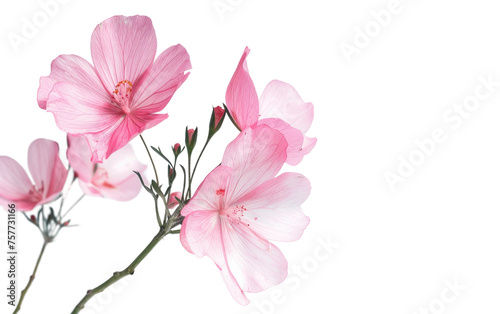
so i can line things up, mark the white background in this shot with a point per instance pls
(397, 248)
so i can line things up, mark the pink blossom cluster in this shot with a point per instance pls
(241, 207)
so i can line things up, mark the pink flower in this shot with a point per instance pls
(47, 170)
(117, 98)
(241, 206)
(279, 106)
(114, 178)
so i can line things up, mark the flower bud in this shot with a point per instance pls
(172, 201)
(216, 120)
(171, 175)
(191, 136)
(177, 150)
(33, 218)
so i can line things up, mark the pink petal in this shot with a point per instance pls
(15, 185)
(121, 166)
(78, 110)
(122, 183)
(211, 193)
(255, 263)
(241, 96)
(105, 143)
(201, 234)
(160, 83)
(281, 100)
(72, 69)
(123, 48)
(79, 155)
(273, 208)
(126, 190)
(255, 156)
(46, 167)
(293, 136)
(89, 189)
(308, 144)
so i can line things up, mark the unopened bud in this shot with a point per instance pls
(177, 149)
(216, 120)
(171, 175)
(191, 136)
(172, 201)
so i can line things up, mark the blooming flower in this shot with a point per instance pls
(279, 107)
(114, 178)
(117, 98)
(47, 170)
(241, 206)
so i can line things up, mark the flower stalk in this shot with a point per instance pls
(32, 278)
(164, 230)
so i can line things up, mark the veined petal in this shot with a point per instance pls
(211, 193)
(160, 83)
(123, 48)
(281, 100)
(72, 69)
(201, 231)
(78, 110)
(255, 156)
(118, 134)
(15, 185)
(273, 209)
(241, 96)
(293, 136)
(255, 266)
(79, 155)
(201, 234)
(46, 167)
(104, 143)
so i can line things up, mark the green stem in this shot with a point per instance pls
(195, 165)
(189, 176)
(127, 271)
(150, 158)
(198, 160)
(32, 277)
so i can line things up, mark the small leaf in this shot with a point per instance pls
(158, 151)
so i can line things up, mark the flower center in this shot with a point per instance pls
(121, 95)
(237, 213)
(36, 194)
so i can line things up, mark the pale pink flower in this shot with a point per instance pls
(47, 170)
(113, 178)
(279, 106)
(241, 206)
(117, 98)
